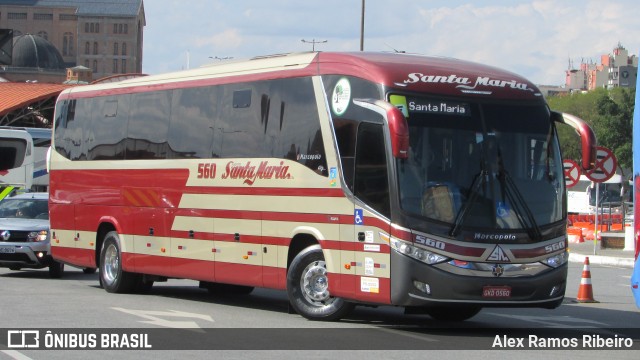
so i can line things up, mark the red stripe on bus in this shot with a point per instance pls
(202, 270)
(214, 271)
(241, 238)
(376, 222)
(277, 241)
(239, 274)
(337, 245)
(265, 191)
(401, 234)
(468, 251)
(197, 235)
(353, 246)
(79, 257)
(150, 264)
(207, 236)
(267, 216)
(529, 253)
(154, 183)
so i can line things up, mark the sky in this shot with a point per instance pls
(534, 38)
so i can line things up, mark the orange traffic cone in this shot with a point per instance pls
(585, 292)
(575, 235)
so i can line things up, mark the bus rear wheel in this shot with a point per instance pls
(112, 277)
(307, 287)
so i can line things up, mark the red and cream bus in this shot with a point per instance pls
(343, 178)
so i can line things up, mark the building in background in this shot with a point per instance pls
(105, 36)
(35, 59)
(552, 90)
(622, 68)
(79, 75)
(615, 70)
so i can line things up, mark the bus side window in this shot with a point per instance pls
(78, 117)
(371, 183)
(148, 125)
(292, 124)
(64, 119)
(238, 132)
(191, 130)
(108, 131)
(346, 139)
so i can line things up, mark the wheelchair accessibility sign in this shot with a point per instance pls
(358, 217)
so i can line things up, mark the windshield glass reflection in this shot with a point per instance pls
(488, 166)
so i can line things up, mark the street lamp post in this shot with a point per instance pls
(313, 43)
(362, 28)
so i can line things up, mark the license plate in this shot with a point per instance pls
(7, 250)
(500, 292)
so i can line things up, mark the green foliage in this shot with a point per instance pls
(608, 112)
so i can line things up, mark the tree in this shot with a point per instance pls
(613, 124)
(608, 112)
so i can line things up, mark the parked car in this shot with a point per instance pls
(25, 234)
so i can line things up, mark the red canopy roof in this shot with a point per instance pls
(18, 95)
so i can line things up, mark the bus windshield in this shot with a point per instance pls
(481, 166)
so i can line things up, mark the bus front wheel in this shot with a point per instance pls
(112, 277)
(307, 287)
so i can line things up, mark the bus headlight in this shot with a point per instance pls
(556, 260)
(408, 249)
(36, 236)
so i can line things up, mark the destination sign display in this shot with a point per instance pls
(410, 106)
(438, 107)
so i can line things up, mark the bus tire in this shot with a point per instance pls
(56, 269)
(112, 277)
(307, 288)
(143, 285)
(453, 314)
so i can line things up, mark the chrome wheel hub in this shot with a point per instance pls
(111, 264)
(315, 284)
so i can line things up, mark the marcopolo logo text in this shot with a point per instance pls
(481, 236)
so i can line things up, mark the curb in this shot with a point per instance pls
(603, 260)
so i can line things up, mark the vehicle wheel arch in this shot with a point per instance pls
(106, 225)
(298, 243)
(113, 277)
(307, 284)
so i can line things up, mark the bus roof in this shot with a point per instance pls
(13, 133)
(36, 133)
(406, 72)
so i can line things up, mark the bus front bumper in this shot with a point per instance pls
(416, 284)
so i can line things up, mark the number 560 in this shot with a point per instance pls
(206, 171)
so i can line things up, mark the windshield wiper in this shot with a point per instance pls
(514, 196)
(473, 194)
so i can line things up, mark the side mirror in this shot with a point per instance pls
(399, 130)
(587, 137)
